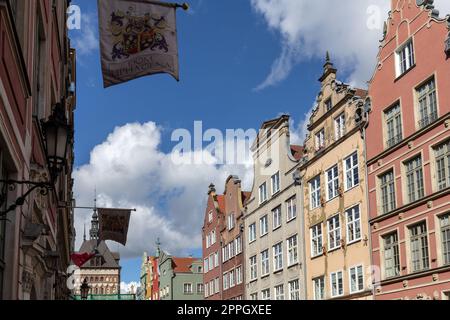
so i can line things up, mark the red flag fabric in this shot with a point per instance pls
(81, 258)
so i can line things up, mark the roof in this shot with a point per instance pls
(111, 258)
(182, 265)
(297, 151)
(221, 202)
(361, 93)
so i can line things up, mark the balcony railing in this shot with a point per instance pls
(427, 120)
(394, 140)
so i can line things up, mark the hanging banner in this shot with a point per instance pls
(137, 38)
(113, 224)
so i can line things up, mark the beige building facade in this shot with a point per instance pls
(273, 226)
(333, 176)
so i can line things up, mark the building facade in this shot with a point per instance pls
(37, 72)
(333, 174)
(231, 240)
(212, 259)
(180, 278)
(149, 278)
(102, 272)
(224, 264)
(274, 253)
(408, 155)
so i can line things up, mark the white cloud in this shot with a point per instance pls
(85, 40)
(130, 171)
(309, 28)
(127, 288)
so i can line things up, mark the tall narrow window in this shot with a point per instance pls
(39, 72)
(265, 294)
(332, 182)
(231, 221)
(339, 127)
(319, 288)
(316, 240)
(275, 183)
(442, 154)
(426, 97)
(328, 105)
(252, 233)
(265, 266)
(351, 171)
(278, 257)
(276, 215)
(391, 255)
(353, 224)
(292, 248)
(320, 140)
(419, 247)
(291, 208)
(445, 237)
(405, 58)
(253, 268)
(393, 118)
(263, 193)
(264, 225)
(314, 190)
(334, 233)
(414, 177)
(387, 192)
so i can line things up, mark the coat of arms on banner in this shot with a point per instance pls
(137, 38)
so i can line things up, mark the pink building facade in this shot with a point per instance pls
(408, 154)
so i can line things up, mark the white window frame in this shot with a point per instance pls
(275, 183)
(404, 53)
(339, 126)
(231, 221)
(291, 209)
(321, 281)
(278, 262)
(315, 237)
(332, 229)
(263, 196)
(265, 294)
(336, 273)
(351, 170)
(264, 225)
(265, 263)
(210, 216)
(320, 139)
(189, 284)
(314, 189)
(292, 250)
(358, 283)
(354, 223)
(238, 275)
(294, 290)
(253, 263)
(252, 233)
(231, 277)
(279, 294)
(333, 182)
(277, 217)
(225, 281)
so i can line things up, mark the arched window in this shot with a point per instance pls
(95, 290)
(96, 279)
(101, 291)
(101, 279)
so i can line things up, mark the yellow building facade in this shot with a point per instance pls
(333, 175)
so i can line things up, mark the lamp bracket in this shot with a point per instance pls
(11, 185)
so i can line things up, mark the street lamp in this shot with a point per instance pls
(57, 134)
(84, 289)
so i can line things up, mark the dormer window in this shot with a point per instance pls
(405, 59)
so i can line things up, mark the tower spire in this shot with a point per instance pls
(84, 234)
(93, 233)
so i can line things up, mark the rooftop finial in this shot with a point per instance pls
(84, 235)
(327, 59)
(212, 189)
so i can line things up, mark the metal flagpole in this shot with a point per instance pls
(184, 6)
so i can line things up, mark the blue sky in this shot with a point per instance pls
(227, 50)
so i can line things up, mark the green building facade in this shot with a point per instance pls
(180, 278)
